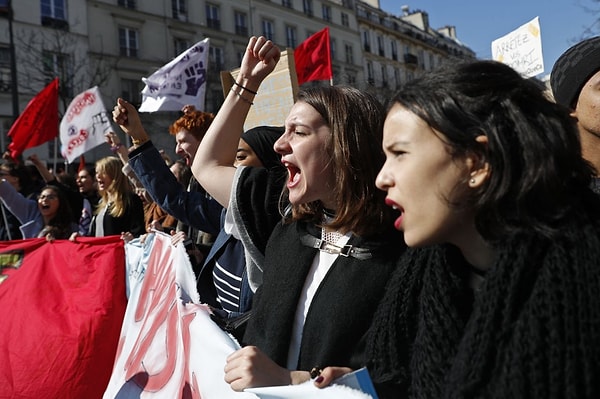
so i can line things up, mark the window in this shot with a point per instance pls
(326, 12)
(240, 56)
(214, 101)
(128, 42)
(267, 29)
(213, 20)
(54, 14)
(349, 53)
(380, 45)
(394, 50)
(127, 3)
(58, 65)
(5, 71)
(384, 76)
(291, 36)
(131, 91)
(370, 77)
(4, 57)
(287, 3)
(366, 41)
(308, 7)
(351, 80)
(397, 78)
(345, 20)
(180, 45)
(332, 48)
(179, 9)
(241, 23)
(215, 55)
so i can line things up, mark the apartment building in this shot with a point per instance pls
(114, 43)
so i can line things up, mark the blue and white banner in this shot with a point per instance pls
(178, 83)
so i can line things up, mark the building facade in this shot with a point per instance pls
(112, 44)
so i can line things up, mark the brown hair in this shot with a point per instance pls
(356, 120)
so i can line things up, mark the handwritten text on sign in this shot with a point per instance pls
(521, 49)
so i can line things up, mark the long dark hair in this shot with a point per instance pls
(61, 225)
(538, 176)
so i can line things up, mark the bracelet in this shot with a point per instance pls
(315, 372)
(138, 142)
(115, 148)
(244, 87)
(239, 94)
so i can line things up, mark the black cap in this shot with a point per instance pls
(573, 69)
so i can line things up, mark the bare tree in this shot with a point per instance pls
(45, 54)
(594, 29)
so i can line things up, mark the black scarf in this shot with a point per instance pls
(532, 329)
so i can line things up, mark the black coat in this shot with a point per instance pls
(341, 310)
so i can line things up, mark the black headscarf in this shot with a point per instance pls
(261, 140)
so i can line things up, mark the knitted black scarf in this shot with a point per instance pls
(532, 329)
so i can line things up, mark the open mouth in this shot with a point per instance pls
(293, 174)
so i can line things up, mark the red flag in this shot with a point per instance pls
(313, 58)
(38, 123)
(81, 163)
(62, 307)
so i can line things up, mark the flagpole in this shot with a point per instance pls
(55, 155)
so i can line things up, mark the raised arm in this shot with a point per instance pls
(46, 174)
(213, 163)
(127, 117)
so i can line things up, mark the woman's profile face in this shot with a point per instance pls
(48, 203)
(303, 150)
(420, 177)
(85, 182)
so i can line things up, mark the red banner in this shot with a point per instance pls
(38, 123)
(62, 308)
(313, 58)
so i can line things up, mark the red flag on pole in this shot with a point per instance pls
(313, 58)
(38, 123)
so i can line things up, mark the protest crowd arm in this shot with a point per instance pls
(213, 163)
(193, 208)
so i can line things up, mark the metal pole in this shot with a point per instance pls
(13, 64)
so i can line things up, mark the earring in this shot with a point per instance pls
(472, 181)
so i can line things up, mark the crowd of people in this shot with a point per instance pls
(448, 240)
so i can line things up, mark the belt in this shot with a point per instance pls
(346, 250)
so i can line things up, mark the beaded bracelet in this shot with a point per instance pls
(244, 87)
(239, 94)
(138, 142)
